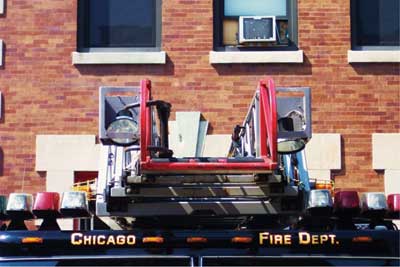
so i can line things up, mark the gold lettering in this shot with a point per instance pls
(111, 240)
(278, 240)
(76, 239)
(263, 236)
(324, 238)
(101, 240)
(120, 240)
(304, 238)
(333, 237)
(131, 240)
(87, 240)
(315, 239)
(287, 239)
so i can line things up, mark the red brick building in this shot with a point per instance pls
(55, 55)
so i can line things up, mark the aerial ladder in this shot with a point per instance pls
(256, 206)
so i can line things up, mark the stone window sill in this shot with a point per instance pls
(256, 57)
(118, 58)
(373, 56)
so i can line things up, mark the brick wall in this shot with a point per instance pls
(45, 94)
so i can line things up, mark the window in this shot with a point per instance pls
(119, 25)
(226, 24)
(375, 24)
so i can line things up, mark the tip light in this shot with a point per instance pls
(74, 204)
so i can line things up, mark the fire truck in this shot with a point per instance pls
(255, 207)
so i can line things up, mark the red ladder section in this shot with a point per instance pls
(266, 163)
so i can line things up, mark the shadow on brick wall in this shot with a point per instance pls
(272, 69)
(1, 162)
(2, 109)
(167, 69)
(376, 68)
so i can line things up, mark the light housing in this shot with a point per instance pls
(373, 204)
(3, 206)
(20, 206)
(393, 201)
(74, 204)
(346, 203)
(124, 130)
(46, 204)
(319, 202)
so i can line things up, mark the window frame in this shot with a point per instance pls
(353, 31)
(292, 17)
(83, 25)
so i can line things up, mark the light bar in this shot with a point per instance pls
(373, 204)
(74, 204)
(3, 206)
(346, 203)
(319, 202)
(393, 201)
(46, 204)
(20, 206)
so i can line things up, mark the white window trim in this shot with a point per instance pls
(372, 56)
(118, 58)
(1, 52)
(235, 57)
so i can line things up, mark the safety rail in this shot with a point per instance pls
(266, 163)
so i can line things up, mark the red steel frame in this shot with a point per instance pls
(268, 140)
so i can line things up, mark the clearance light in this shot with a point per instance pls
(196, 239)
(46, 204)
(346, 203)
(362, 239)
(373, 204)
(153, 239)
(393, 202)
(242, 240)
(32, 240)
(20, 206)
(74, 204)
(3, 206)
(319, 202)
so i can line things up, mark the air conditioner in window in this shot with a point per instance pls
(257, 29)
